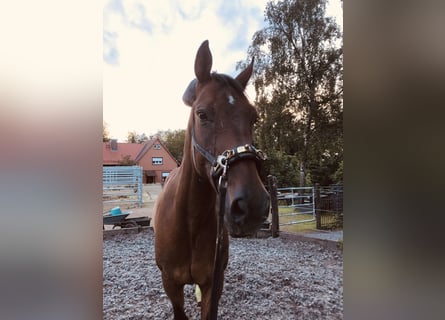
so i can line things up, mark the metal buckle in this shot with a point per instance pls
(220, 166)
(222, 162)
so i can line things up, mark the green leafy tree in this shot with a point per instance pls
(299, 91)
(126, 161)
(105, 133)
(134, 137)
(174, 141)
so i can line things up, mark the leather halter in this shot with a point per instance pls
(221, 163)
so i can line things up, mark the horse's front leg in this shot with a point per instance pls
(206, 312)
(206, 294)
(206, 289)
(175, 292)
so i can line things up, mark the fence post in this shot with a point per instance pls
(274, 204)
(138, 182)
(317, 206)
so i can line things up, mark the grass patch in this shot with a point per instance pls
(299, 227)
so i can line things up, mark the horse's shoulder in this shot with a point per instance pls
(170, 186)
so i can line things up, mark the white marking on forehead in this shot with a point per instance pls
(231, 99)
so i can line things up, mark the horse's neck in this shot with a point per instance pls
(199, 187)
(200, 196)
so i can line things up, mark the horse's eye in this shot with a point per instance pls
(202, 115)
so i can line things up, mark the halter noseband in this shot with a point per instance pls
(220, 164)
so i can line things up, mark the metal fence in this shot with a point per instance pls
(122, 184)
(300, 205)
(293, 205)
(329, 207)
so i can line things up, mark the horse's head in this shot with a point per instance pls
(221, 124)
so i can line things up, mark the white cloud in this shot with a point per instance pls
(191, 9)
(144, 91)
(156, 43)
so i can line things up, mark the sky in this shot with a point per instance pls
(149, 49)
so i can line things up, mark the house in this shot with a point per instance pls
(152, 156)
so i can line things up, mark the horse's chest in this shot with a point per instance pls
(195, 268)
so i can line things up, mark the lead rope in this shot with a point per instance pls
(217, 264)
(219, 168)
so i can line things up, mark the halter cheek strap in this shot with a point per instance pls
(210, 158)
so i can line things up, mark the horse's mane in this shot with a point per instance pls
(228, 81)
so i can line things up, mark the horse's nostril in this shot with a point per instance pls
(239, 209)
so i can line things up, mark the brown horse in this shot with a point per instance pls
(217, 147)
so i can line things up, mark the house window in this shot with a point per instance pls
(156, 160)
(157, 146)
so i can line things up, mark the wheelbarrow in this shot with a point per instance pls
(116, 218)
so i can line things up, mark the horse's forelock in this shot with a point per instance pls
(228, 81)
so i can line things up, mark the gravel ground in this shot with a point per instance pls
(271, 278)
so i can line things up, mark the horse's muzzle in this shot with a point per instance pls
(246, 214)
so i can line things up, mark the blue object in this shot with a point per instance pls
(115, 211)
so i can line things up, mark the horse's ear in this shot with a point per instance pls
(245, 75)
(189, 95)
(203, 62)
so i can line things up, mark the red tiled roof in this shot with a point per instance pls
(148, 145)
(110, 157)
(144, 149)
(135, 150)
